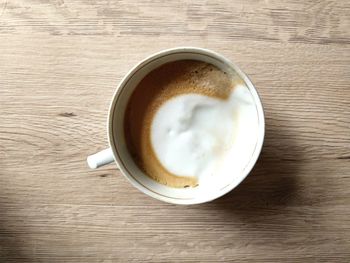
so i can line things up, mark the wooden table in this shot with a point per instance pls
(60, 62)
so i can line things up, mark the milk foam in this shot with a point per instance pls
(205, 137)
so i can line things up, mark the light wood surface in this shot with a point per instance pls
(60, 62)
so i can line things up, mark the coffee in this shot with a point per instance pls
(189, 122)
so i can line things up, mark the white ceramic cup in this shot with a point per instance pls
(119, 153)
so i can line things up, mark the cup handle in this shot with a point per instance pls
(101, 158)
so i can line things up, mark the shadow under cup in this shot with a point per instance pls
(118, 144)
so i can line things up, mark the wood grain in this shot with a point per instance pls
(60, 62)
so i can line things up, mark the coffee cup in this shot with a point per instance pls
(119, 153)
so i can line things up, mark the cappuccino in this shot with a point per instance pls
(189, 122)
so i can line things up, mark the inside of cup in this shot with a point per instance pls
(137, 177)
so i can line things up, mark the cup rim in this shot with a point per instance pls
(252, 161)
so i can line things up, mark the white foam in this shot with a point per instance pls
(205, 137)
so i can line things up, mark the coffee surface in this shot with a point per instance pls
(181, 123)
